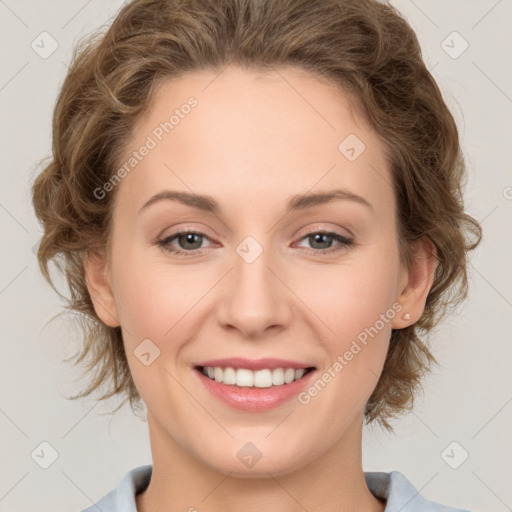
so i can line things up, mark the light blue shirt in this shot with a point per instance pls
(400, 494)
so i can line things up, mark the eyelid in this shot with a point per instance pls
(184, 227)
(322, 228)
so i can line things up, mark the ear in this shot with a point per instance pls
(415, 283)
(99, 285)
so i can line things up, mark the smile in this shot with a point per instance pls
(254, 390)
(244, 377)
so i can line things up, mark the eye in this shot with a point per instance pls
(323, 240)
(189, 242)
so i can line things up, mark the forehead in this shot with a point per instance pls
(254, 134)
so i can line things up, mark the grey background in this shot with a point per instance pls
(467, 400)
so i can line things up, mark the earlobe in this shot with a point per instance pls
(100, 288)
(416, 283)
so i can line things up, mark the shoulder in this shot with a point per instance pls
(401, 495)
(122, 498)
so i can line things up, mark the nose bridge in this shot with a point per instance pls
(254, 298)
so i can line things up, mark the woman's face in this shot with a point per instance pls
(256, 279)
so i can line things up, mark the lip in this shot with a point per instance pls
(254, 364)
(255, 399)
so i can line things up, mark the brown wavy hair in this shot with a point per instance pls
(365, 47)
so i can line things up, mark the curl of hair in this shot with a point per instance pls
(364, 46)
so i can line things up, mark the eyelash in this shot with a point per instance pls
(344, 242)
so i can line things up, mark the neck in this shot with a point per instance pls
(332, 482)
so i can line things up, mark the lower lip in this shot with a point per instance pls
(255, 399)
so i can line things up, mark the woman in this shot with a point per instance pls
(258, 205)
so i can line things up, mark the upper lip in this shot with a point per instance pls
(254, 364)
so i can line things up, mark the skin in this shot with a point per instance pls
(253, 141)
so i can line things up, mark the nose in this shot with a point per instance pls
(255, 299)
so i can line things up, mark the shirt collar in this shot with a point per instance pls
(400, 495)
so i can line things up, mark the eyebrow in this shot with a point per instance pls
(295, 203)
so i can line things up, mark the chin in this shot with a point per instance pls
(249, 462)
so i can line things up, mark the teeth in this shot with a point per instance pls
(258, 379)
(262, 379)
(278, 377)
(299, 373)
(243, 377)
(229, 376)
(289, 375)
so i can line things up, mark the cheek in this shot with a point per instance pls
(160, 311)
(355, 303)
(152, 303)
(351, 297)
(359, 313)
(152, 296)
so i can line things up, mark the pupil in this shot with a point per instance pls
(318, 238)
(189, 238)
